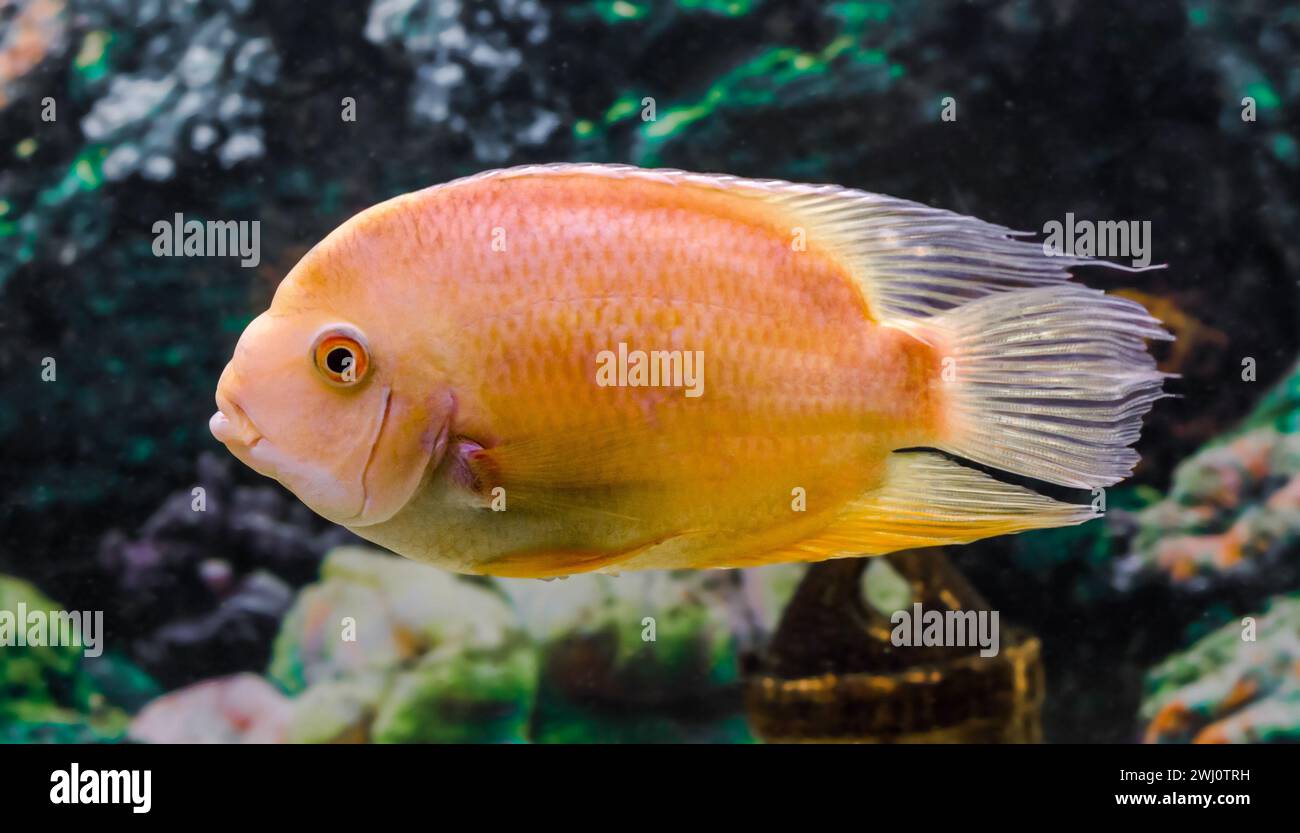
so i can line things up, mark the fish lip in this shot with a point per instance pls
(220, 427)
(232, 425)
(242, 436)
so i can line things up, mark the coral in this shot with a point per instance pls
(1230, 529)
(472, 65)
(32, 31)
(1280, 407)
(56, 692)
(243, 708)
(202, 68)
(389, 650)
(1232, 515)
(386, 650)
(340, 710)
(206, 579)
(1239, 684)
(644, 657)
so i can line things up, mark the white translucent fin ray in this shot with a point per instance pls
(929, 488)
(1049, 383)
(908, 259)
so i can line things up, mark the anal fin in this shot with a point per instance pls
(925, 500)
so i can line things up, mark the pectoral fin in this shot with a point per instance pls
(575, 474)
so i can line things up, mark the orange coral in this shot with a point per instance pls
(37, 29)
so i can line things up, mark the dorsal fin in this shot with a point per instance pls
(908, 259)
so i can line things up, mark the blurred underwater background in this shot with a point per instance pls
(221, 624)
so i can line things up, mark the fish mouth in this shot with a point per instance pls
(232, 426)
(317, 486)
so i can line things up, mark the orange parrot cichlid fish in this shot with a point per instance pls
(566, 368)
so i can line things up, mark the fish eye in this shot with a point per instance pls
(341, 356)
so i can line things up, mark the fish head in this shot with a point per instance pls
(316, 401)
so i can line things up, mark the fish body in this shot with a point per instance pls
(581, 367)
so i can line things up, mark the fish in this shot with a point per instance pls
(556, 369)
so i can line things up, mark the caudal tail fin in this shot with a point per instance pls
(1050, 383)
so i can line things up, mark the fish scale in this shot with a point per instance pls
(784, 398)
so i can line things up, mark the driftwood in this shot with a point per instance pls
(832, 673)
